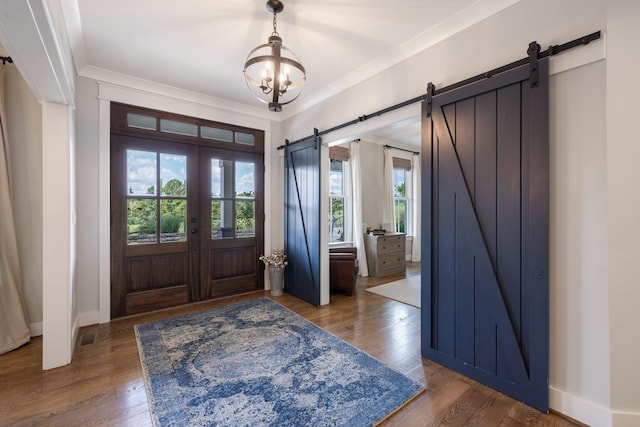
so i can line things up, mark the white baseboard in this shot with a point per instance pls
(88, 318)
(84, 319)
(579, 409)
(35, 329)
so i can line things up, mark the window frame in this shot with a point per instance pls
(406, 199)
(347, 232)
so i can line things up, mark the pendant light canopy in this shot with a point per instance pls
(273, 72)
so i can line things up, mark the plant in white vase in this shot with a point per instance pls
(276, 262)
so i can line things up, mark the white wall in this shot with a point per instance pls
(579, 315)
(623, 176)
(579, 379)
(24, 125)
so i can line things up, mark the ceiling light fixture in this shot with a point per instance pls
(273, 72)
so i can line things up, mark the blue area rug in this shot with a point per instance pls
(256, 363)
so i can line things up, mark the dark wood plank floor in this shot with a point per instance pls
(104, 386)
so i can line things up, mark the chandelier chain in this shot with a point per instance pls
(275, 25)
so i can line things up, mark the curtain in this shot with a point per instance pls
(416, 214)
(388, 212)
(356, 210)
(14, 326)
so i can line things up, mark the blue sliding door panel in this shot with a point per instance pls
(302, 220)
(485, 228)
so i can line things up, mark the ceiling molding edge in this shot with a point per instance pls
(73, 23)
(136, 83)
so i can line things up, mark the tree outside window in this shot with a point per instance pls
(400, 200)
(336, 202)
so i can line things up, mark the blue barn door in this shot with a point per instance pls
(302, 220)
(485, 222)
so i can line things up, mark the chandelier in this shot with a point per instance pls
(273, 72)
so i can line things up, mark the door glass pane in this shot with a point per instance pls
(245, 180)
(245, 218)
(179, 128)
(141, 221)
(173, 175)
(173, 220)
(141, 173)
(141, 122)
(245, 138)
(221, 178)
(221, 219)
(213, 133)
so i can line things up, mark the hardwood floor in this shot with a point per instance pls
(104, 386)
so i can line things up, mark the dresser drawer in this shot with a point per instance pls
(391, 244)
(390, 263)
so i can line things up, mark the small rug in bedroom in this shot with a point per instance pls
(256, 363)
(405, 290)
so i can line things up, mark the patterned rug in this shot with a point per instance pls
(256, 363)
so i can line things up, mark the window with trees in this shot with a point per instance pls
(336, 201)
(233, 199)
(156, 215)
(402, 194)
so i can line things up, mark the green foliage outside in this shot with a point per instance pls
(400, 208)
(244, 215)
(142, 212)
(401, 215)
(336, 219)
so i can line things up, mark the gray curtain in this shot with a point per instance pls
(14, 326)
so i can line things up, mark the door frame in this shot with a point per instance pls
(192, 109)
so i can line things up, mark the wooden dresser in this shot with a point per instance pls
(385, 253)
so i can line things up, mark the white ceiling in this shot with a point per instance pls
(201, 46)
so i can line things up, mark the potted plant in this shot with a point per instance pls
(276, 262)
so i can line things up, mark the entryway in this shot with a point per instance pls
(187, 210)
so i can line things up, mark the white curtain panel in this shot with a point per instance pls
(388, 213)
(416, 215)
(14, 326)
(356, 197)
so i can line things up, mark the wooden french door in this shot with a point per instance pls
(187, 215)
(232, 222)
(485, 233)
(302, 220)
(154, 193)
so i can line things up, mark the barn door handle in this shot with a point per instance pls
(194, 230)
